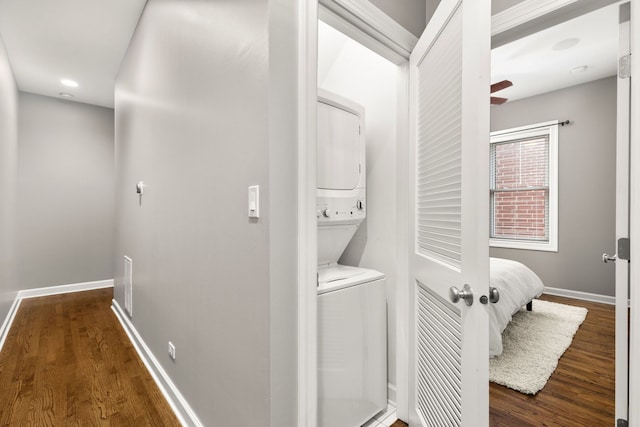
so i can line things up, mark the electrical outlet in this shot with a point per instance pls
(172, 351)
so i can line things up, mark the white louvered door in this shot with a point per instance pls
(449, 114)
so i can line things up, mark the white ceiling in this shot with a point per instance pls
(82, 40)
(542, 62)
(85, 40)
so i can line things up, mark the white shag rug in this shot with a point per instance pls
(532, 344)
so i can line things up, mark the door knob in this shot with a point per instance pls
(608, 258)
(465, 294)
(494, 294)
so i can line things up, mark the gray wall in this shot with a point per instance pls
(432, 5)
(205, 107)
(8, 181)
(586, 209)
(498, 6)
(411, 14)
(65, 192)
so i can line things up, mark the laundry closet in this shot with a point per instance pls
(356, 306)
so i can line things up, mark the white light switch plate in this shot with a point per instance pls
(254, 201)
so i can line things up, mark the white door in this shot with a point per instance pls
(622, 221)
(449, 217)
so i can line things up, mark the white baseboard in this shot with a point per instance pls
(585, 296)
(64, 289)
(178, 403)
(391, 394)
(384, 418)
(6, 325)
(46, 291)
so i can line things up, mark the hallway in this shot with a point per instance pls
(67, 361)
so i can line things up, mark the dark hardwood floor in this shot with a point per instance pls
(580, 392)
(67, 362)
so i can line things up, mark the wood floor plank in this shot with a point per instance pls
(580, 392)
(67, 362)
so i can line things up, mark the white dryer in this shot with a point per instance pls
(352, 342)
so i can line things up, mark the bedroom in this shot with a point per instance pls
(583, 54)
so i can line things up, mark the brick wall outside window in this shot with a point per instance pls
(520, 178)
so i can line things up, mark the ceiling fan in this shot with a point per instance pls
(495, 100)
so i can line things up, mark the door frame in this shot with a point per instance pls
(307, 264)
(622, 230)
(368, 25)
(634, 229)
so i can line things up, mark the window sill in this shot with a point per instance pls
(524, 244)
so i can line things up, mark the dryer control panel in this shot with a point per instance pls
(337, 210)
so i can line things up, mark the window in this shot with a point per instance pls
(524, 187)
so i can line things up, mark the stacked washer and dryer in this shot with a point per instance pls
(352, 340)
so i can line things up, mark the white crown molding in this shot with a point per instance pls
(372, 23)
(524, 12)
(176, 400)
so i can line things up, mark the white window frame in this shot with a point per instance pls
(549, 129)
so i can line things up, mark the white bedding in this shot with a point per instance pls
(517, 285)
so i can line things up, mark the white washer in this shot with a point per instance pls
(352, 321)
(352, 343)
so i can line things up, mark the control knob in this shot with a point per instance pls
(360, 204)
(326, 213)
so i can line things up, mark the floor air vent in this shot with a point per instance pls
(128, 285)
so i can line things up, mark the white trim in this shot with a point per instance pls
(65, 289)
(392, 39)
(622, 230)
(307, 404)
(549, 129)
(8, 321)
(584, 296)
(634, 235)
(524, 12)
(178, 403)
(402, 245)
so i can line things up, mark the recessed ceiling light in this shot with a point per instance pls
(566, 44)
(578, 70)
(69, 83)
(65, 95)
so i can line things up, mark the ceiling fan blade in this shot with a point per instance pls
(497, 100)
(501, 85)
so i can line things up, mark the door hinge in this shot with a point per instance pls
(624, 248)
(624, 67)
(622, 423)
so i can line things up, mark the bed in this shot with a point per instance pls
(517, 285)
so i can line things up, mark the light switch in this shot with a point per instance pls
(254, 201)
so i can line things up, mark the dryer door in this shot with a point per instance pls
(338, 148)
